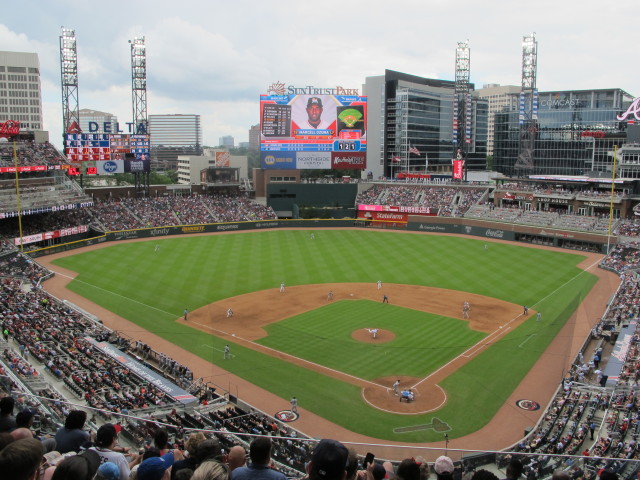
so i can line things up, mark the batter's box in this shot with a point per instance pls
(436, 425)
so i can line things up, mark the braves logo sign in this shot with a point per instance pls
(9, 128)
(634, 109)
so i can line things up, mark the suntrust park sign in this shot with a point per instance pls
(278, 88)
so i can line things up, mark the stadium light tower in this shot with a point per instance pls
(528, 115)
(139, 84)
(69, 81)
(462, 102)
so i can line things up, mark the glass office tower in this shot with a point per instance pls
(575, 133)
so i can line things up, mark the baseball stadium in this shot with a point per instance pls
(321, 307)
(474, 332)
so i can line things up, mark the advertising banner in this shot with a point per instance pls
(278, 160)
(65, 232)
(109, 167)
(313, 160)
(383, 216)
(348, 161)
(223, 159)
(143, 372)
(399, 209)
(458, 166)
(138, 165)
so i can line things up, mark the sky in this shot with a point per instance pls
(214, 58)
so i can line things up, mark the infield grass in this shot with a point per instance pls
(152, 289)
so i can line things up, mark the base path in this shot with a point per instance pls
(253, 311)
(505, 429)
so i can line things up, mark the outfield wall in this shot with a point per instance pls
(463, 226)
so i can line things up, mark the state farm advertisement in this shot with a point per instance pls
(383, 216)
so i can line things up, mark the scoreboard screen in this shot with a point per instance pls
(313, 131)
(99, 153)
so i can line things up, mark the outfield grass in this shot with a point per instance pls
(152, 289)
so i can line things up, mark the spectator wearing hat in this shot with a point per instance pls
(329, 461)
(443, 468)
(20, 460)
(108, 471)
(158, 468)
(378, 472)
(260, 467)
(77, 467)
(106, 440)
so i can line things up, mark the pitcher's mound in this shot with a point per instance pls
(363, 335)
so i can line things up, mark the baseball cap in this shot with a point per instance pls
(153, 468)
(329, 460)
(105, 435)
(443, 465)
(93, 459)
(379, 472)
(108, 471)
(314, 101)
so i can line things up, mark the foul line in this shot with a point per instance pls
(480, 345)
(483, 343)
(279, 352)
(116, 294)
(322, 367)
(527, 339)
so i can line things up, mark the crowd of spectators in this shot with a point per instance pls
(447, 200)
(623, 257)
(30, 154)
(628, 228)
(562, 221)
(555, 190)
(130, 213)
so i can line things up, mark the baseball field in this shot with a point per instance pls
(300, 342)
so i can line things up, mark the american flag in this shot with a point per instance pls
(396, 159)
(414, 150)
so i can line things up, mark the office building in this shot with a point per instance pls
(226, 142)
(254, 138)
(500, 98)
(20, 90)
(575, 133)
(407, 112)
(173, 135)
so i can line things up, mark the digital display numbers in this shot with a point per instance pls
(346, 146)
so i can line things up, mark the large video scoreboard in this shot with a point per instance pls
(313, 131)
(103, 153)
